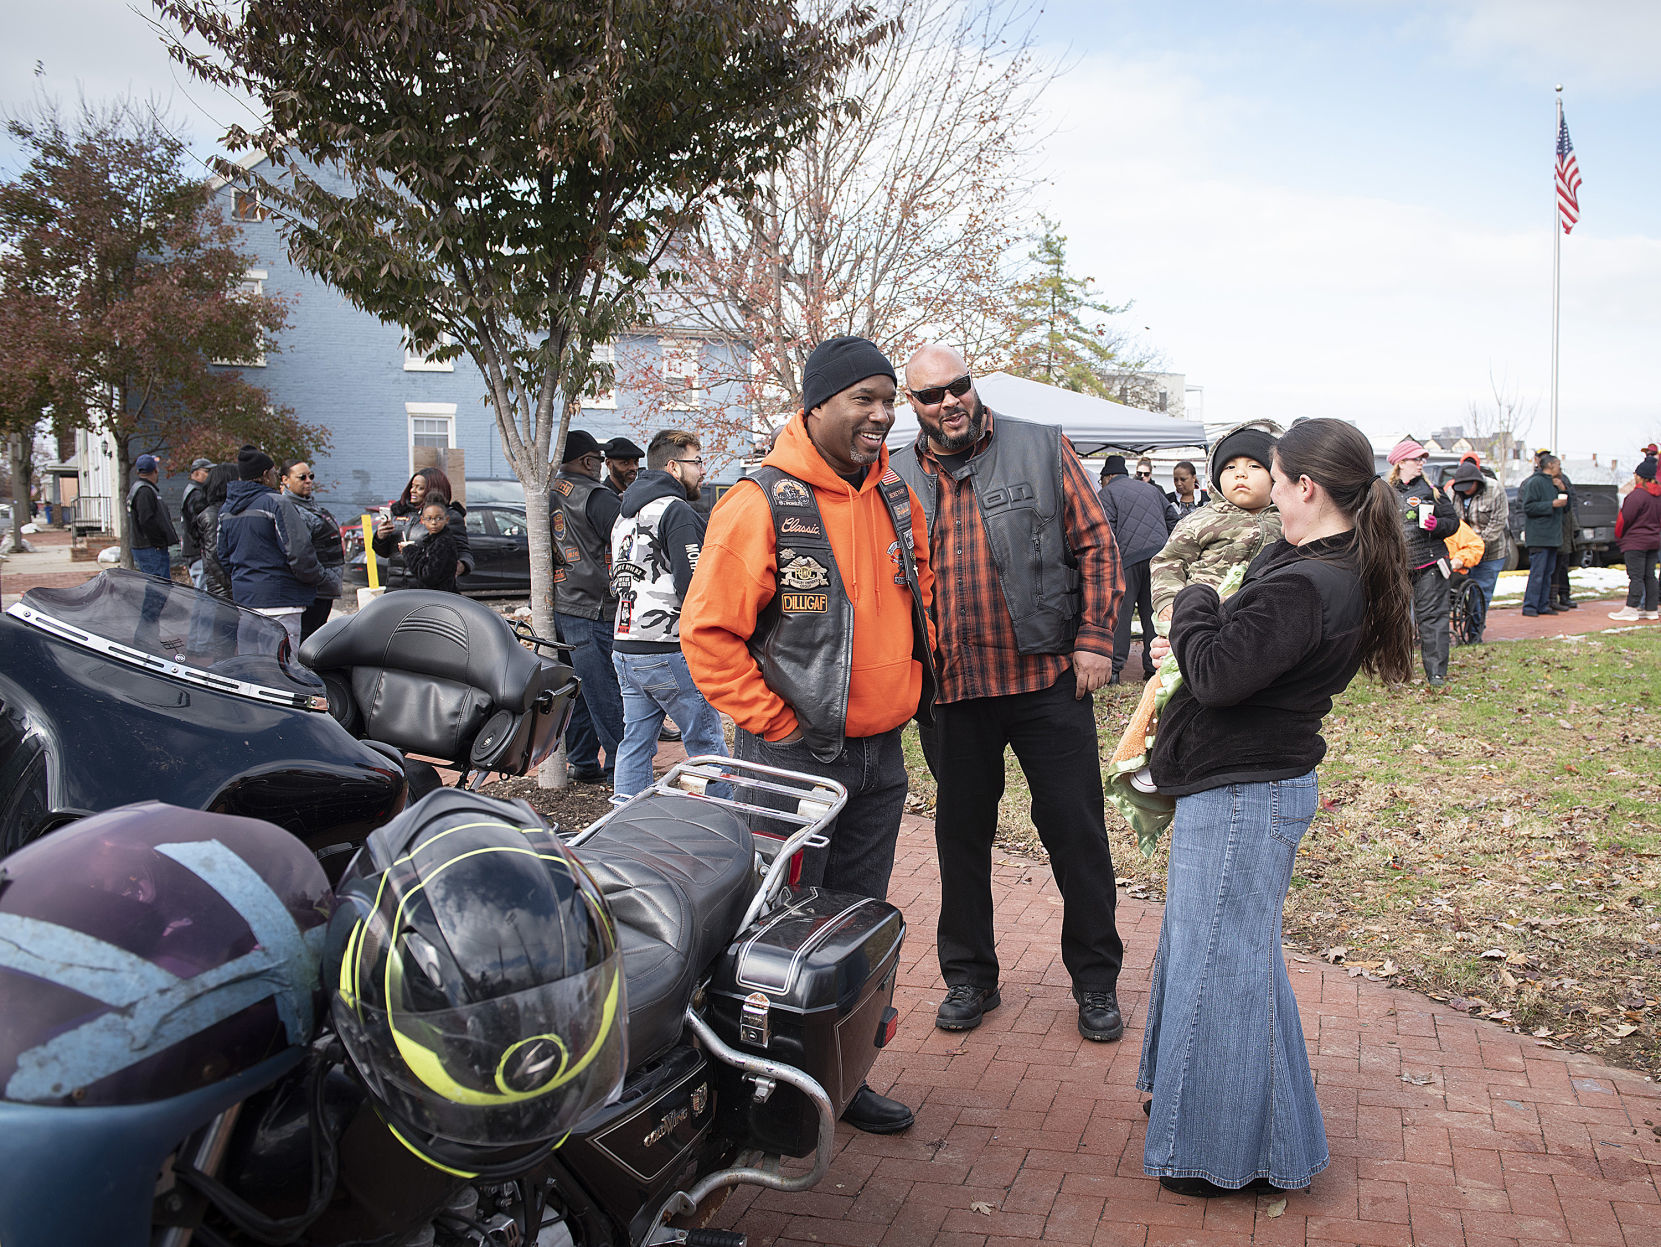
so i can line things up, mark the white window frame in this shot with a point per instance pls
(416, 362)
(676, 350)
(429, 411)
(606, 400)
(260, 210)
(253, 280)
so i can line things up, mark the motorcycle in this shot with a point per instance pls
(130, 688)
(165, 1085)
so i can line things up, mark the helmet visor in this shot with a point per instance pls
(514, 1069)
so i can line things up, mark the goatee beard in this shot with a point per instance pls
(970, 435)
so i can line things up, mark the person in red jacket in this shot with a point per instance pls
(1638, 533)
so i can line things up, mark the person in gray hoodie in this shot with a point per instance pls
(654, 550)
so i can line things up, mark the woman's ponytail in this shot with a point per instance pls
(1335, 455)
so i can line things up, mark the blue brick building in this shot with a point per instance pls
(345, 369)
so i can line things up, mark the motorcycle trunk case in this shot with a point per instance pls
(810, 985)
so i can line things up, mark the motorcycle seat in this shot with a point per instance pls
(678, 874)
(424, 670)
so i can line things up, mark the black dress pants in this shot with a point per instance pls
(1138, 596)
(1054, 738)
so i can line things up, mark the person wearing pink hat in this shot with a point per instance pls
(1428, 518)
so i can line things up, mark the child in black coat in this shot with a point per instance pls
(432, 558)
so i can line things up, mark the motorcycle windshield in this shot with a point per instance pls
(176, 630)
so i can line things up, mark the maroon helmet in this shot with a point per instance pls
(150, 951)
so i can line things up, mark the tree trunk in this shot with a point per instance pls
(123, 482)
(539, 533)
(18, 446)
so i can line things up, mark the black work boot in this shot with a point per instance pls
(964, 1006)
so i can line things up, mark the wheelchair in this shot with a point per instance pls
(1464, 610)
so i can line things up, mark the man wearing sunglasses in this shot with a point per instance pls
(807, 623)
(1028, 582)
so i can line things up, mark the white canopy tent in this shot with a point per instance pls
(1092, 424)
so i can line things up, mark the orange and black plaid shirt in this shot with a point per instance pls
(978, 656)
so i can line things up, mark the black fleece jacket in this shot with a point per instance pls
(1260, 670)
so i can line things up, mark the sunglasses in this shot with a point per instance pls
(935, 393)
(306, 476)
(1145, 476)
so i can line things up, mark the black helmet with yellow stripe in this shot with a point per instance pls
(477, 983)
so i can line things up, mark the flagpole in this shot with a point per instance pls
(1556, 266)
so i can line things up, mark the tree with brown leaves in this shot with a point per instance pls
(129, 283)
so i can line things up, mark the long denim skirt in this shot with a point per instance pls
(1223, 1053)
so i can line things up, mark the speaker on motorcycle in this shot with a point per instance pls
(477, 983)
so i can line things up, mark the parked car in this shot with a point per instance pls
(1595, 509)
(501, 555)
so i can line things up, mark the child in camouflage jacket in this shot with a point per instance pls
(1237, 525)
(1210, 546)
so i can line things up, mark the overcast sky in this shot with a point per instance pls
(1320, 207)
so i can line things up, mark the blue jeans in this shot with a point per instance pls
(1485, 575)
(1542, 562)
(152, 562)
(1223, 1053)
(592, 661)
(654, 685)
(860, 856)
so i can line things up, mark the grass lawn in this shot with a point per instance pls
(1495, 844)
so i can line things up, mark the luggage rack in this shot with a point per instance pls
(813, 804)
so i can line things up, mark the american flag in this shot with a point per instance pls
(1568, 178)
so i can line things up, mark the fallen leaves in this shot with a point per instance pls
(1276, 1208)
(982, 1207)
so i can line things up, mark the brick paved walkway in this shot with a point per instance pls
(1445, 1131)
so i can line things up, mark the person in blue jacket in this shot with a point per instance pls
(265, 545)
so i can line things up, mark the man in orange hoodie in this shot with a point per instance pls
(807, 622)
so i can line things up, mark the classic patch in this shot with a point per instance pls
(789, 493)
(800, 603)
(564, 487)
(573, 554)
(804, 573)
(796, 526)
(559, 525)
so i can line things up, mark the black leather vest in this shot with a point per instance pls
(582, 565)
(804, 638)
(1017, 484)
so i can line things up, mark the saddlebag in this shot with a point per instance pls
(811, 985)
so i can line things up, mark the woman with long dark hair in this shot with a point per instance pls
(405, 524)
(1223, 1053)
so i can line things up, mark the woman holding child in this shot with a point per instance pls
(1223, 1054)
(404, 527)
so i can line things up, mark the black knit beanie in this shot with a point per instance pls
(1646, 469)
(838, 363)
(1114, 465)
(1253, 443)
(253, 463)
